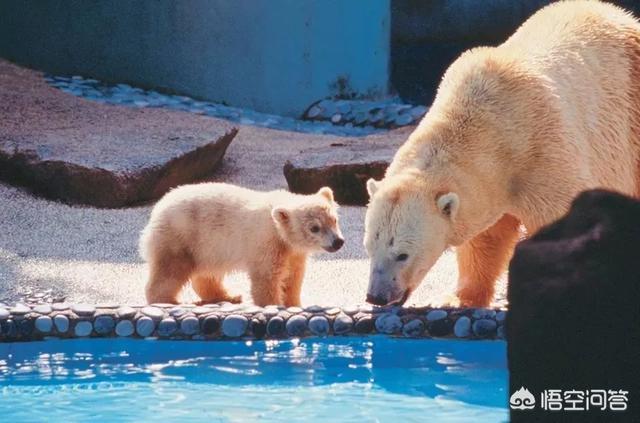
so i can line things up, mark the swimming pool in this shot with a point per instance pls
(359, 379)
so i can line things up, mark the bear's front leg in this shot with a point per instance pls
(292, 284)
(266, 280)
(482, 259)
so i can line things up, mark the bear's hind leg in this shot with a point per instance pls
(482, 259)
(167, 276)
(292, 284)
(210, 290)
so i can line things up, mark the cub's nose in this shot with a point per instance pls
(337, 244)
(376, 300)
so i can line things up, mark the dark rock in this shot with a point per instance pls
(413, 328)
(562, 282)
(342, 324)
(9, 329)
(319, 325)
(484, 328)
(345, 169)
(167, 326)
(276, 326)
(258, 327)
(66, 148)
(364, 325)
(104, 324)
(210, 325)
(440, 328)
(296, 325)
(25, 327)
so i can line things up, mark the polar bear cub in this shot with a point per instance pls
(203, 231)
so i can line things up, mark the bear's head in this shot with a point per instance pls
(409, 224)
(310, 223)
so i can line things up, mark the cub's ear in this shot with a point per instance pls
(326, 193)
(372, 186)
(448, 204)
(280, 215)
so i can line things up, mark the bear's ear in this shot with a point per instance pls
(448, 204)
(372, 186)
(326, 193)
(280, 215)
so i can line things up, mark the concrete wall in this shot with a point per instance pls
(275, 56)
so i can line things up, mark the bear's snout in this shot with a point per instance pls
(335, 245)
(376, 300)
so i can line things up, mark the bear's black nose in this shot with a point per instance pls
(337, 244)
(376, 300)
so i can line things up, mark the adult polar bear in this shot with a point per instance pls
(514, 134)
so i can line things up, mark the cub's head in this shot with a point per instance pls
(311, 222)
(408, 225)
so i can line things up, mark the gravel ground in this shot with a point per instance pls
(90, 255)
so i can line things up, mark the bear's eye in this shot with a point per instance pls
(402, 257)
(315, 229)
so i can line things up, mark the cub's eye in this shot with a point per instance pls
(315, 229)
(402, 257)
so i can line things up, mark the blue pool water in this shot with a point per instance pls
(339, 379)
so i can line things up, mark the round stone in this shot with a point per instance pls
(438, 314)
(167, 326)
(501, 316)
(154, 312)
(484, 327)
(4, 314)
(210, 324)
(126, 312)
(109, 306)
(83, 328)
(258, 328)
(62, 323)
(483, 313)
(294, 310)
(351, 310)
(253, 310)
(501, 332)
(440, 328)
(319, 325)
(462, 328)
(25, 327)
(178, 311)
(103, 325)
(124, 328)
(190, 325)
(145, 326)
(44, 324)
(388, 323)
(234, 325)
(413, 328)
(43, 309)
(332, 311)
(365, 308)
(83, 309)
(276, 326)
(200, 310)
(403, 119)
(418, 111)
(60, 306)
(270, 311)
(364, 325)
(296, 325)
(314, 309)
(314, 112)
(342, 324)
(19, 309)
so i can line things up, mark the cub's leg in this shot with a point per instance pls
(168, 273)
(210, 290)
(266, 280)
(482, 259)
(292, 284)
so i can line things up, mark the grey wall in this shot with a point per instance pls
(275, 56)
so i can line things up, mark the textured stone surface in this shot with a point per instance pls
(234, 325)
(462, 328)
(126, 312)
(484, 327)
(413, 328)
(276, 326)
(436, 315)
(189, 325)
(319, 325)
(345, 169)
(125, 328)
(43, 309)
(44, 324)
(62, 323)
(83, 328)
(574, 317)
(440, 328)
(388, 323)
(167, 327)
(296, 325)
(343, 324)
(145, 326)
(103, 325)
(83, 309)
(66, 148)
(210, 325)
(154, 312)
(4, 314)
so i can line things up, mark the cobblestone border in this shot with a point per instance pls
(30, 322)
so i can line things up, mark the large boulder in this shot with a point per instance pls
(574, 318)
(74, 150)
